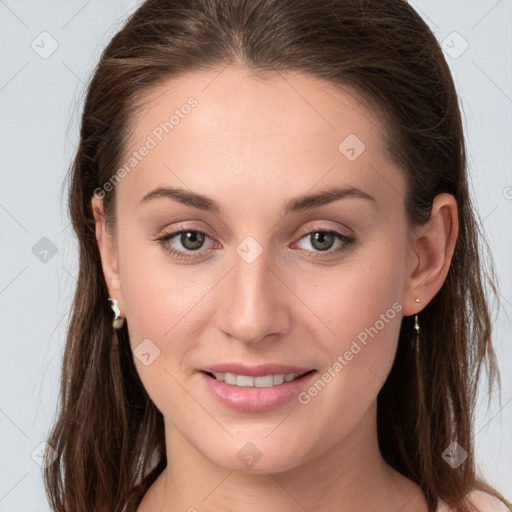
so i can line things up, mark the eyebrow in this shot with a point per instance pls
(298, 204)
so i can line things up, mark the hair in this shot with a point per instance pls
(109, 436)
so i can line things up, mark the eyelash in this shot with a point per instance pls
(166, 237)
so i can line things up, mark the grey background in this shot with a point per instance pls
(40, 105)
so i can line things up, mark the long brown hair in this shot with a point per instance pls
(109, 436)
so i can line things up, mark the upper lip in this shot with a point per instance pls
(255, 371)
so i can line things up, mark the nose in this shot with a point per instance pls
(255, 301)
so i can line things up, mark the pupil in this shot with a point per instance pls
(321, 237)
(192, 237)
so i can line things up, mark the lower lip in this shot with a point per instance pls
(252, 399)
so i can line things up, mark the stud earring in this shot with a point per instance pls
(118, 322)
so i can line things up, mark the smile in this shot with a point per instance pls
(255, 394)
(264, 381)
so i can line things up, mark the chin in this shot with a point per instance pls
(251, 460)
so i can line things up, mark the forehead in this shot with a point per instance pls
(234, 98)
(229, 131)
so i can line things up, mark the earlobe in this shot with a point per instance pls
(107, 253)
(431, 254)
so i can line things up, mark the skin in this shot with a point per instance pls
(252, 145)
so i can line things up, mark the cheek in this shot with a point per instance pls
(162, 302)
(362, 310)
(158, 305)
(157, 292)
(364, 290)
(358, 315)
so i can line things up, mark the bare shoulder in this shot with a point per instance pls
(483, 502)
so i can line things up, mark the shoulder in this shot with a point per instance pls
(482, 501)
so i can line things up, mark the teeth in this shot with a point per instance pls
(259, 382)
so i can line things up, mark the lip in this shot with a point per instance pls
(254, 371)
(253, 399)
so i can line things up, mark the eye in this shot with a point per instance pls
(190, 240)
(323, 239)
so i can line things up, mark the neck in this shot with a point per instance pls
(351, 475)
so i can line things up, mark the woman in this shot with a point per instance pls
(271, 199)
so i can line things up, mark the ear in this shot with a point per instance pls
(108, 253)
(431, 254)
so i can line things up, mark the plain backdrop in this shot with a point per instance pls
(48, 52)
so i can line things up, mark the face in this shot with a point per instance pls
(267, 277)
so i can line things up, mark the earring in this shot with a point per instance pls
(118, 322)
(417, 329)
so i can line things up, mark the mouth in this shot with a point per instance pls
(263, 381)
(262, 391)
